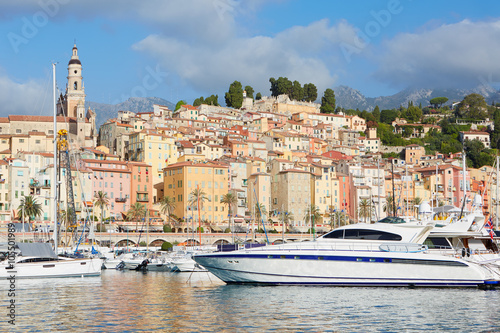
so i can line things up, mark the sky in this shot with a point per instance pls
(184, 49)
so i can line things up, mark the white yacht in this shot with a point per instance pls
(38, 260)
(353, 255)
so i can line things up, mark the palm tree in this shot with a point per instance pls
(287, 217)
(260, 213)
(30, 208)
(167, 204)
(365, 209)
(339, 217)
(313, 214)
(389, 205)
(136, 212)
(229, 200)
(197, 199)
(101, 201)
(416, 202)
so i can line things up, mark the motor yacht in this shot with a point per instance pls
(353, 255)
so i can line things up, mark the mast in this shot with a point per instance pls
(199, 213)
(393, 194)
(378, 190)
(54, 182)
(496, 206)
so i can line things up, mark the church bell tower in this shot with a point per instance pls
(75, 90)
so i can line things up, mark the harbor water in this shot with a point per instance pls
(183, 302)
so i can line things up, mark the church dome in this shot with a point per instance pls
(74, 61)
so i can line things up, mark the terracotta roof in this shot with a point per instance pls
(4, 119)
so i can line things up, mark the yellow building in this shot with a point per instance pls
(155, 149)
(180, 179)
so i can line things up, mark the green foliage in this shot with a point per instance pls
(376, 113)
(249, 90)
(297, 91)
(143, 243)
(167, 228)
(495, 136)
(388, 116)
(227, 230)
(258, 97)
(212, 100)
(477, 155)
(389, 155)
(413, 114)
(310, 92)
(473, 106)
(101, 228)
(200, 230)
(166, 246)
(437, 102)
(328, 101)
(30, 208)
(234, 97)
(281, 86)
(179, 104)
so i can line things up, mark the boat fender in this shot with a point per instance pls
(468, 252)
(463, 252)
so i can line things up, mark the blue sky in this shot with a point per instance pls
(183, 49)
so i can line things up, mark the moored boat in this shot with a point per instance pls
(353, 255)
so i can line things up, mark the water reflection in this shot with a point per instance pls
(158, 301)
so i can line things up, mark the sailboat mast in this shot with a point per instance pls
(496, 206)
(54, 181)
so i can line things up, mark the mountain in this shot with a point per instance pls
(134, 104)
(350, 98)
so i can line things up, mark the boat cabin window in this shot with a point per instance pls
(437, 243)
(363, 234)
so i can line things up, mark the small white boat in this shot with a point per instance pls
(38, 260)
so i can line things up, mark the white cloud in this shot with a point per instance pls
(29, 97)
(303, 53)
(464, 54)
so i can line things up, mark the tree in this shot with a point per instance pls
(198, 101)
(297, 91)
(249, 90)
(312, 215)
(260, 213)
(339, 218)
(30, 208)
(328, 101)
(136, 212)
(413, 114)
(495, 135)
(365, 209)
(179, 104)
(376, 113)
(389, 205)
(212, 100)
(388, 116)
(287, 217)
(101, 201)
(473, 106)
(258, 97)
(234, 97)
(197, 199)
(477, 155)
(310, 92)
(437, 102)
(167, 205)
(229, 199)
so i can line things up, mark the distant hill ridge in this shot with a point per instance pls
(350, 98)
(134, 104)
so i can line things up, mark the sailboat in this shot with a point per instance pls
(39, 260)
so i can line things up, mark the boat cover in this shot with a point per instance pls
(42, 250)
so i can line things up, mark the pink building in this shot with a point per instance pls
(114, 179)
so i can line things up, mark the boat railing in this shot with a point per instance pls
(340, 246)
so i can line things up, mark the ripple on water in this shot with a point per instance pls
(157, 301)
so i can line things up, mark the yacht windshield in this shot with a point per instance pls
(363, 234)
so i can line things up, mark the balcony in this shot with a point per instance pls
(121, 199)
(142, 199)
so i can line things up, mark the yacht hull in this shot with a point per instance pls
(341, 268)
(52, 269)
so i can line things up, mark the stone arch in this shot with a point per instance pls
(221, 241)
(123, 242)
(157, 242)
